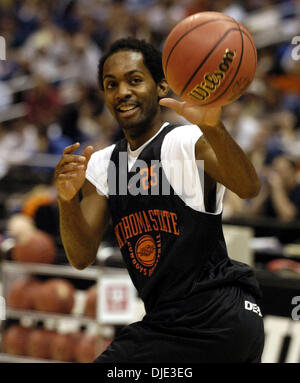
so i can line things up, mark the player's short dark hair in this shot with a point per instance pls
(152, 56)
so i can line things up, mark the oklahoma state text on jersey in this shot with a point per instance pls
(146, 252)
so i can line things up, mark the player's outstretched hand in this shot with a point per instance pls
(196, 114)
(70, 171)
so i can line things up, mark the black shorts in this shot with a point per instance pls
(219, 326)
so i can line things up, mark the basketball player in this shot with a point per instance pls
(200, 305)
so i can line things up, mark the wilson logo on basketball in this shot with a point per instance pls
(145, 250)
(211, 81)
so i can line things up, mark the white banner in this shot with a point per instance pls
(116, 300)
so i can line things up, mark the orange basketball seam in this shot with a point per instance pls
(205, 59)
(186, 33)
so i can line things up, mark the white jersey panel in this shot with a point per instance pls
(97, 168)
(180, 166)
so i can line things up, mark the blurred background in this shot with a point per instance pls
(49, 98)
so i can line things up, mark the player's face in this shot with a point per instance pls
(130, 91)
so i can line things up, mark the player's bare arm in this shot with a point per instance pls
(82, 223)
(223, 158)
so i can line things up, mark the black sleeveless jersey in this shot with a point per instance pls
(172, 252)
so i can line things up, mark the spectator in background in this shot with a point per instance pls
(196, 6)
(97, 30)
(280, 194)
(84, 53)
(117, 11)
(40, 203)
(234, 9)
(43, 102)
(283, 135)
(161, 17)
(18, 142)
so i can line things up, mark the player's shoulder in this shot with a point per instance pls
(103, 154)
(179, 143)
(184, 132)
(97, 168)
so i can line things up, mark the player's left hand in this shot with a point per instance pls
(196, 114)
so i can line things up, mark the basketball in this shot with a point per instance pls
(88, 348)
(15, 339)
(63, 346)
(90, 307)
(209, 59)
(38, 248)
(55, 295)
(39, 343)
(22, 292)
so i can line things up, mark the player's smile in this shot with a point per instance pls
(127, 110)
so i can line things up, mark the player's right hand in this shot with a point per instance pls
(200, 115)
(70, 171)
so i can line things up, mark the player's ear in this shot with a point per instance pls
(163, 88)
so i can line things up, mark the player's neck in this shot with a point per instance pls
(139, 138)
